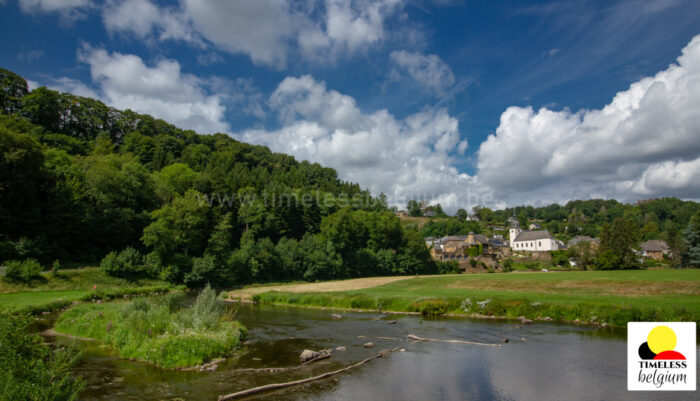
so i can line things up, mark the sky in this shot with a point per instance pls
(491, 103)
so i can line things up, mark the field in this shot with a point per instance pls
(53, 291)
(612, 297)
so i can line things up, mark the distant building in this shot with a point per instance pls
(654, 249)
(533, 241)
(429, 213)
(535, 226)
(473, 217)
(595, 242)
(401, 213)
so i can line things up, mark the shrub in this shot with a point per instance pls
(508, 265)
(126, 264)
(22, 271)
(432, 307)
(30, 370)
(472, 262)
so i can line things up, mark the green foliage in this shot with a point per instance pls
(24, 271)
(158, 330)
(30, 370)
(691, 243)
(617, 244)
(559, 258)
(127, 264)
(414, 208)
(508, 265)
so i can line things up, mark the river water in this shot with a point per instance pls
(543, 361)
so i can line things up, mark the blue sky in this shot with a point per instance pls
(459, 102)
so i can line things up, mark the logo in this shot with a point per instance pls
(661, 356)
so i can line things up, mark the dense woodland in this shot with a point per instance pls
(84, 182)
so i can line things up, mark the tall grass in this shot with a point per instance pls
(159, 330)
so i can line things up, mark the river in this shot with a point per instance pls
(543, 361)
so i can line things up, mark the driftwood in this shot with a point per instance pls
(390, 338)
(416, 338)
(203, 366)
(323, 355)
(276, 386)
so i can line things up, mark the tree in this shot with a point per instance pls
(180, 226)
(462, 214)
(41, 107)
(414, 208)
(691, 242)
(617, 244)
(676, 247)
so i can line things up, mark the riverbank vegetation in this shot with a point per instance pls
(31, 370)
(615, 297)
(159, 330)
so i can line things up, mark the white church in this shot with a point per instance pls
(533, 241)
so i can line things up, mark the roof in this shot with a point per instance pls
(429, 213)
(654, 245)
(533, 235)
(580, 238)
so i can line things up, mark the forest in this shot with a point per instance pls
(84, 183)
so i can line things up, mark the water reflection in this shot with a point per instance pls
(540, 362)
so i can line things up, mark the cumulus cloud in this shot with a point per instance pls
(268, 31)
(644, 143)
(637, 145)
(433, 74)
(161, 90)
(400, 157)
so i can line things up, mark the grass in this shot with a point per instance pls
(53, 292)
(77, 279)
(613, 297)
(159, 329)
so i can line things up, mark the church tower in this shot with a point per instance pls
(514, 229)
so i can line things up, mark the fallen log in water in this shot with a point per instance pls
(416, 338)
(276, 386)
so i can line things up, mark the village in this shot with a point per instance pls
(502, 248)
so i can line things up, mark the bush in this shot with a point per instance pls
(472, 262)
(126, 264)
(22, 271)
(30, 370)
(508, 265)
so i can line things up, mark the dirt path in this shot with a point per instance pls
(245, 294)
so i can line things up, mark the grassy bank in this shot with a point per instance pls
(159, 329)
(55, 291)
(613, 297)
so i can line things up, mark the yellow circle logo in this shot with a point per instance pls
(661, 338)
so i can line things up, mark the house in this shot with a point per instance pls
(533, 241)
(472, 217)
(429, 213)
(534, 226)
(456, 247)
(654, 249)
(595, 242)
(401, 213)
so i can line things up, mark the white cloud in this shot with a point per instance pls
(268, 31)
(161, 90)
(73, 86)
(33, 6)
(401, 157)
(645, 143)
(433, 74)
(638, 145)
(68, 9)
(144, 19)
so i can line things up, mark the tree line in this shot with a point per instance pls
(84, 182)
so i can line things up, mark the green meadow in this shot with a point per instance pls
(52, 291)
(612, 297)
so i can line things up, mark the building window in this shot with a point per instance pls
(540, 243)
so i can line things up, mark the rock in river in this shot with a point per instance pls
(308, 355)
